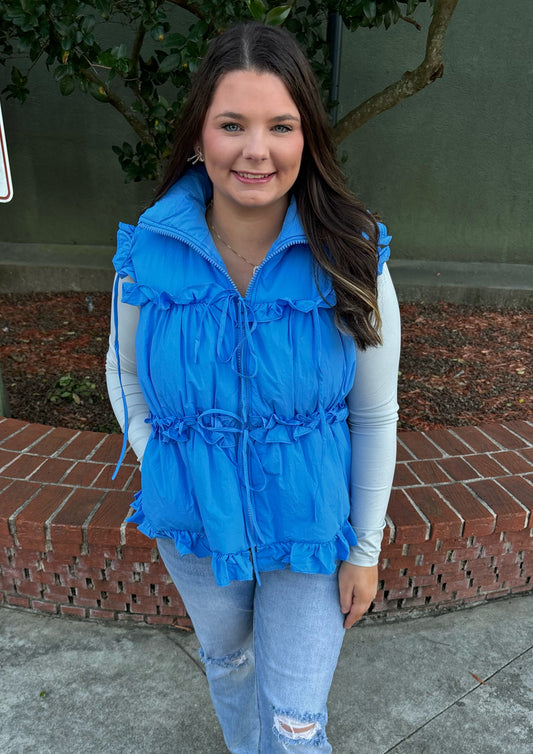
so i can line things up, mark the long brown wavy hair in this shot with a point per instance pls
(341, 233)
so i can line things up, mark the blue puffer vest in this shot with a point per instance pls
(249, 456)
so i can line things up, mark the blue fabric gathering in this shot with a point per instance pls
(248, 460)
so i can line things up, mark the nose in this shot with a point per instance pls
(256, 146)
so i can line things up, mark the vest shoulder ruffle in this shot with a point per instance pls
(383, 246)
(122, 261)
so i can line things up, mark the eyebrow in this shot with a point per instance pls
(239, 116)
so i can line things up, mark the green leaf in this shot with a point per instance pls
(369, 9)
(257, 9)
(170, 63)
(277, 16)
(67, 85)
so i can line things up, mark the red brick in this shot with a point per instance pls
(58, 593)
(522, 428)
(66, 525)
(110, 451)
(6, 456)
(423, 580)
(419, 445)
(116, 602)
(524, 588)
(101, 614)
(136, 538)
(146, 553)
(444, 521)
(85, 601)
(23, 466)
(82, 445)
(28, 588)
(502, 436)
(51, 471)
(398, 594)
(26, 437)
(175, 608)
(512, 462)
(527, 453)
(514, 583)
(30, 521)
(121, 482)
(477, 519)
(135, 482)
(44, 607)
(160, 620)
(450, 444)
(447, 568)
(53, 441)
(146, 608)
(83, 474)
(519, 488)
(496, 593)
(104, 527)
(393, 581)
(506, 559)
(99, 554)
(409, 524)
(428, 472)
(15, 601)
(510, 515)
(402, 454)
(8, 427)
(473, 437)
(458, 468)
(11, 499)
(486, 466)
(78, 612)
(130, 617)
(465, 591)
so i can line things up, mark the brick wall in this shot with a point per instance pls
(460, 524)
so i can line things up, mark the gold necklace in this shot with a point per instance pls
(219, 238)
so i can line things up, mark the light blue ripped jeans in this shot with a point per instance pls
(270, 652)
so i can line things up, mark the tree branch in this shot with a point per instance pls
(411, 82)
(191, 7)
(138, 126)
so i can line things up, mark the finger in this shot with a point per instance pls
(356, 613)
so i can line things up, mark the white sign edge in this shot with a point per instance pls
(5, 161)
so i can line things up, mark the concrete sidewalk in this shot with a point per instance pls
(458, 683)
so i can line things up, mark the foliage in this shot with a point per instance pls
(74, 390)
(145, 71)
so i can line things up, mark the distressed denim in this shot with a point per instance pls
(270, 652)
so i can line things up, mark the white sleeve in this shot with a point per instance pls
(373, 415)
(138, 430)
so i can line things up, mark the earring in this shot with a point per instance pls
(197, 156)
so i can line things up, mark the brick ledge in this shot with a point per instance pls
(459, 526)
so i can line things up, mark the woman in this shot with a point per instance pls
(253, 315)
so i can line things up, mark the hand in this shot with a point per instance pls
(357, 588)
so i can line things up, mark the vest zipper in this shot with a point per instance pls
(297, 240)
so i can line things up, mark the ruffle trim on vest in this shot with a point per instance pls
(122, 260)
(223, 427)
(215, 297)
(302, 557)
(383, 246)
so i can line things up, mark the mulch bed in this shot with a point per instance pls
(460, 365)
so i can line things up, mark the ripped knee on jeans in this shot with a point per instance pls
(295, 728)
(229, 662)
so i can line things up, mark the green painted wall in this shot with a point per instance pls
(449, 169)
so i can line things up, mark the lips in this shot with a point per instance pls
(253, 176)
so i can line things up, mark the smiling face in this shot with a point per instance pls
(252, 141)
